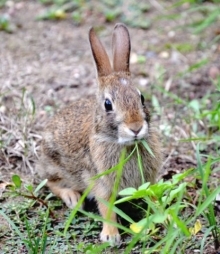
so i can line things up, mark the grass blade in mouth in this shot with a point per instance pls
(147, 147)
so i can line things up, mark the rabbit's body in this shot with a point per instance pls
(65, 146)
(87, 137)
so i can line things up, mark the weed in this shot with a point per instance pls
(110, 10)
(6, 24)
(169, 211)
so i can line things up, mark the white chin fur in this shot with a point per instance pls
(126, 141)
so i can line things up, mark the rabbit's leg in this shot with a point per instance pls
(69, 196)
(109, 232)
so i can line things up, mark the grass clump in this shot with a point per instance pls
(134, 16)
(171, 215)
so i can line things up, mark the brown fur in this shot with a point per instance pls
(84, 140)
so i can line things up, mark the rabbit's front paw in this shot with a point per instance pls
(70, 197)
(110, 234)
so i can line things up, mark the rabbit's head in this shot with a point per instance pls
(121, 115)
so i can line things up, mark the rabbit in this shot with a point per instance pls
(86, 138)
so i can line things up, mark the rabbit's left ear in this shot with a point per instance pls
(121, 48)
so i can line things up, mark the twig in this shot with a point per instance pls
(40, 201)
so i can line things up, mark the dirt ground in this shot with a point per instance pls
(52, 62)
(45, 65)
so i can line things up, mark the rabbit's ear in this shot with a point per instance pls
(100, 56)
(121, 48)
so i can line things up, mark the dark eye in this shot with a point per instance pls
(108, 105)
(142, 99)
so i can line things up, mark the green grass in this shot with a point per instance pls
(135, 16)
(170, 217)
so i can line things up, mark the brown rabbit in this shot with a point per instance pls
(87, 137)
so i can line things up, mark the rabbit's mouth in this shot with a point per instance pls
(129, 141)
(129, 134)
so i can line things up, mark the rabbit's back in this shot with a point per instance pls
(65, 145)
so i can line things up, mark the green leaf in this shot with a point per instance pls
(17, 181)
(197, 65)
(49, 196)
(174, 193)
(29, 187)
(15, 228)
(159, 218)
(33, 106)
(40, 186)
(181, 225)
(195, 105)
(112, 14)
(145, 144)
(140, 166)
(206, 22)
(141, 59)
(99, 218)
(178, 177)
(156, 104)
(209, 199)
(116, 210)
(144, 186)
(159, 189)
(125, 199)
(127, 192)
(77, 207)
(77, 17)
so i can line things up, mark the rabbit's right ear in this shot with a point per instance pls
(100, 56)
(121, 48)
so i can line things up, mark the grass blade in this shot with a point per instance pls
(145, 144)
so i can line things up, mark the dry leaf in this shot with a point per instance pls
(197, 227)
(3, 187)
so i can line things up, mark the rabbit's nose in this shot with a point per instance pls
(136, 131)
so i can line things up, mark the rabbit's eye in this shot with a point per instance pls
(108, 105)
(142, 99)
